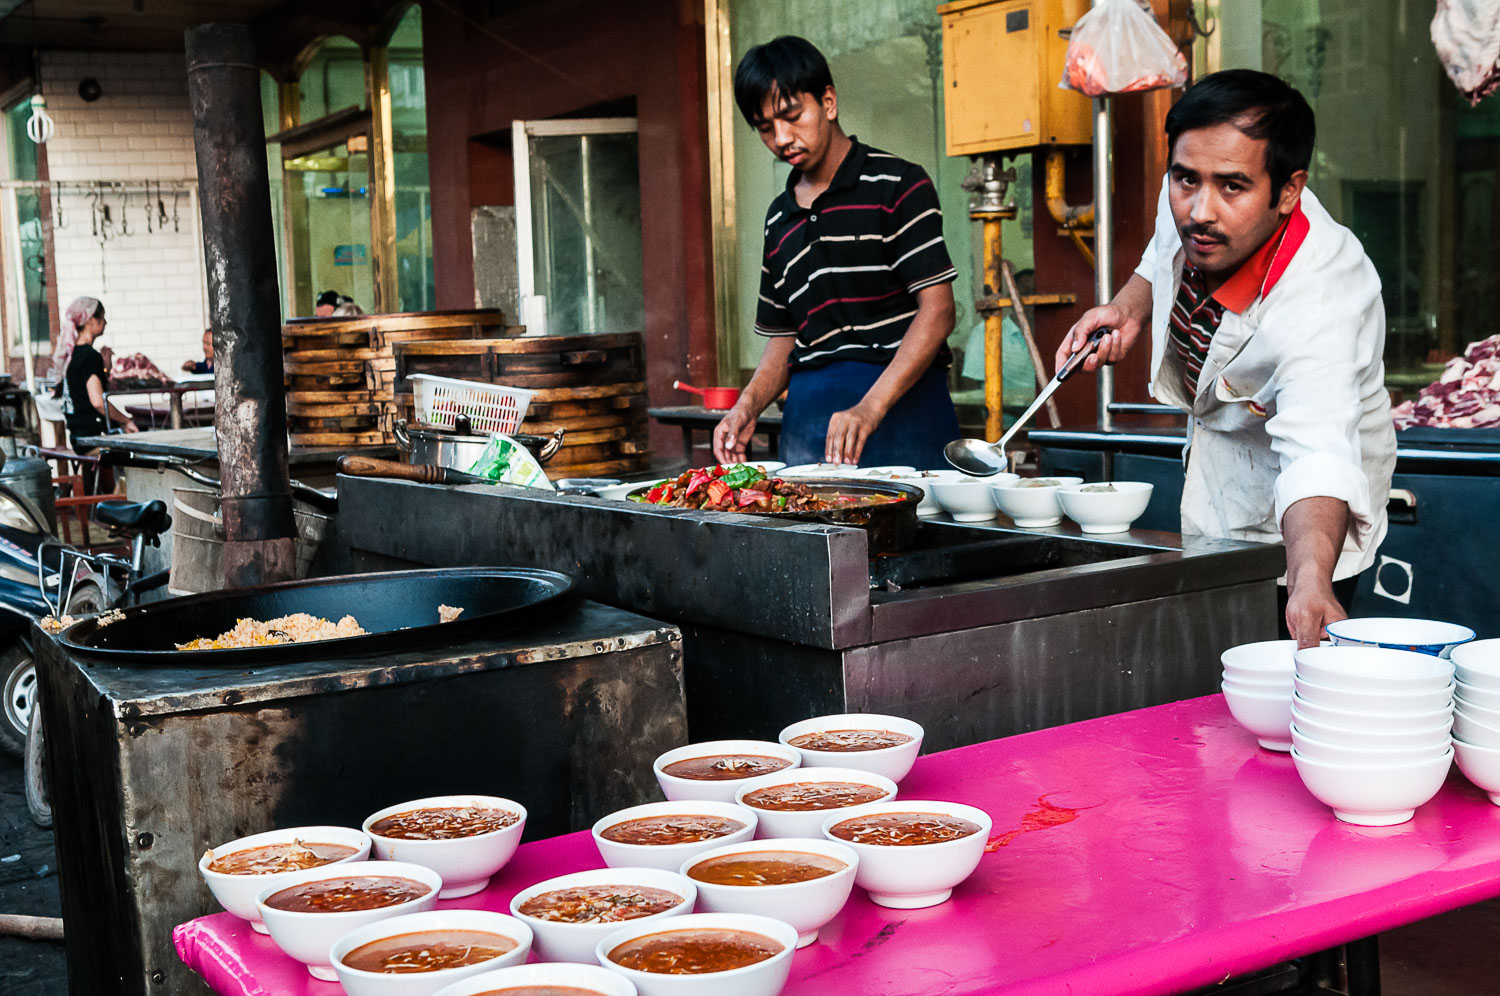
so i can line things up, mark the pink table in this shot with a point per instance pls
(1148, 852)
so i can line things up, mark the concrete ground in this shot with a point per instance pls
(1453, 955)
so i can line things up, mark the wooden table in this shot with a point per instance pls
(691, 418)
(1149, 852)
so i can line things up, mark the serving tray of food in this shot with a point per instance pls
(323, 617)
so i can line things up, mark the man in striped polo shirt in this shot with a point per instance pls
(1267, 327)
(856, 297)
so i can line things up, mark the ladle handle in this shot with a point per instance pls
(363, 466)
(1073, 362)
(678, 385)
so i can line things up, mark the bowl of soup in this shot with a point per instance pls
(665, 834)
(464, 838)
(886, 745)
(723, 954)
(803, 882)
(912, 854)
(240, 870)
(306, 912)
(715, 770)
(571, 914)
(418, 953)
(557, 979)
(794, 803)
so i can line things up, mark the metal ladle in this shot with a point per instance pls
(979, 458)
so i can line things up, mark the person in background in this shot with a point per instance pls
(84, 407)
(205, 365)
(328, 303)
(347, 309)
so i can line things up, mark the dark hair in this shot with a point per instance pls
(787, 65)
(1261, 106)
(330, 298)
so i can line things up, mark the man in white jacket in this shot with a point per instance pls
(1267, 328)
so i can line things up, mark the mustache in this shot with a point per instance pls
(1195, 230)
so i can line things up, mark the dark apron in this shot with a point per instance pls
(913, 433)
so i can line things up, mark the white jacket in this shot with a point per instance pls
(1291, 403)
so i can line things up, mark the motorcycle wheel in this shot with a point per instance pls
(18, 686)
(38, 801)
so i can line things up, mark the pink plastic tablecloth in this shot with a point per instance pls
(1148, 852)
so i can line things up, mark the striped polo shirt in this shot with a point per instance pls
(842, 275)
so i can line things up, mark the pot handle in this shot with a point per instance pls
(363, 466)
(549, 450)
(403, 440)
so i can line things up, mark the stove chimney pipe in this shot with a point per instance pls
(245, 309)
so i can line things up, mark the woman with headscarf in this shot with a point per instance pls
(85, 374)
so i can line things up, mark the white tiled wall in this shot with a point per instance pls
(140, 130)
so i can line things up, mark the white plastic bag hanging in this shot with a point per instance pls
(1117, 48)
(1466, 34)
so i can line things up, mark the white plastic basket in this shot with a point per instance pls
(490, 408)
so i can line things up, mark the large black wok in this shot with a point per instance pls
(891, 525)
(399, 609)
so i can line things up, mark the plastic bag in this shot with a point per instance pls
(1117, 48)
(1466, 34)
(506, 461)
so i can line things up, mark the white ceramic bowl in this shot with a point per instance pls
(819, 470)
(968, 499)
(1105, 511)
(1273, 685)
(807, 906)
(618, 492)
(1267, 659)
(1031, 507)
(675, 788)
(1267, 716)
(361, 983)
(1371, 735)
(1396, 722)
(1367, 757)
(1362, 699)
(236, 893)
(917, 875)
(309, 937)
(1379, 796)
(1478, 663)
(1374, 669)
(924, 479)
(1427, 636)
(670, 857)
(771, 467)
(465, 863)
(1487, 716)
(557, 941)
(764, 978)
(591, 978)
(892, 762)
(1474, 731)
(1485, 698)
(889, 473)
(807, 823)
(1480, 765)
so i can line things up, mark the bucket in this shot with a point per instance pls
(198, 540)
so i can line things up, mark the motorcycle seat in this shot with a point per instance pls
(145, 516)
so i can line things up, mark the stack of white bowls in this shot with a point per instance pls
(1370, 730)
(1258, 689)
(1476, 714)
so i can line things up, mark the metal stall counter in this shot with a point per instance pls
(976, 631)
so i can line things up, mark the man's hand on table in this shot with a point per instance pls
(732, 435)
(848, 431)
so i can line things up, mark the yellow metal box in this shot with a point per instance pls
(1002, 60)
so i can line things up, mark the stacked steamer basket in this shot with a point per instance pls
(1476, 714)
(592, 386)
(1370, 730)
(341, 372)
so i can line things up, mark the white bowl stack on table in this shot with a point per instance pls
(1370, 730)
(1476, 714)
(1257, 686)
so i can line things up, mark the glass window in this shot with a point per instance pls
(334, 79)
(887, 64)
(29, 269)
(409, 139)
(270, 112)
(1401, 159)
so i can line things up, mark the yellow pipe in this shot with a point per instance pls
(994, 373)
(1065, 214)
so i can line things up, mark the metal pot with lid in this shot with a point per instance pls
(460, 448)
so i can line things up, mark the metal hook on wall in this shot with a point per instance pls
(175, 194)
(125, 213)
